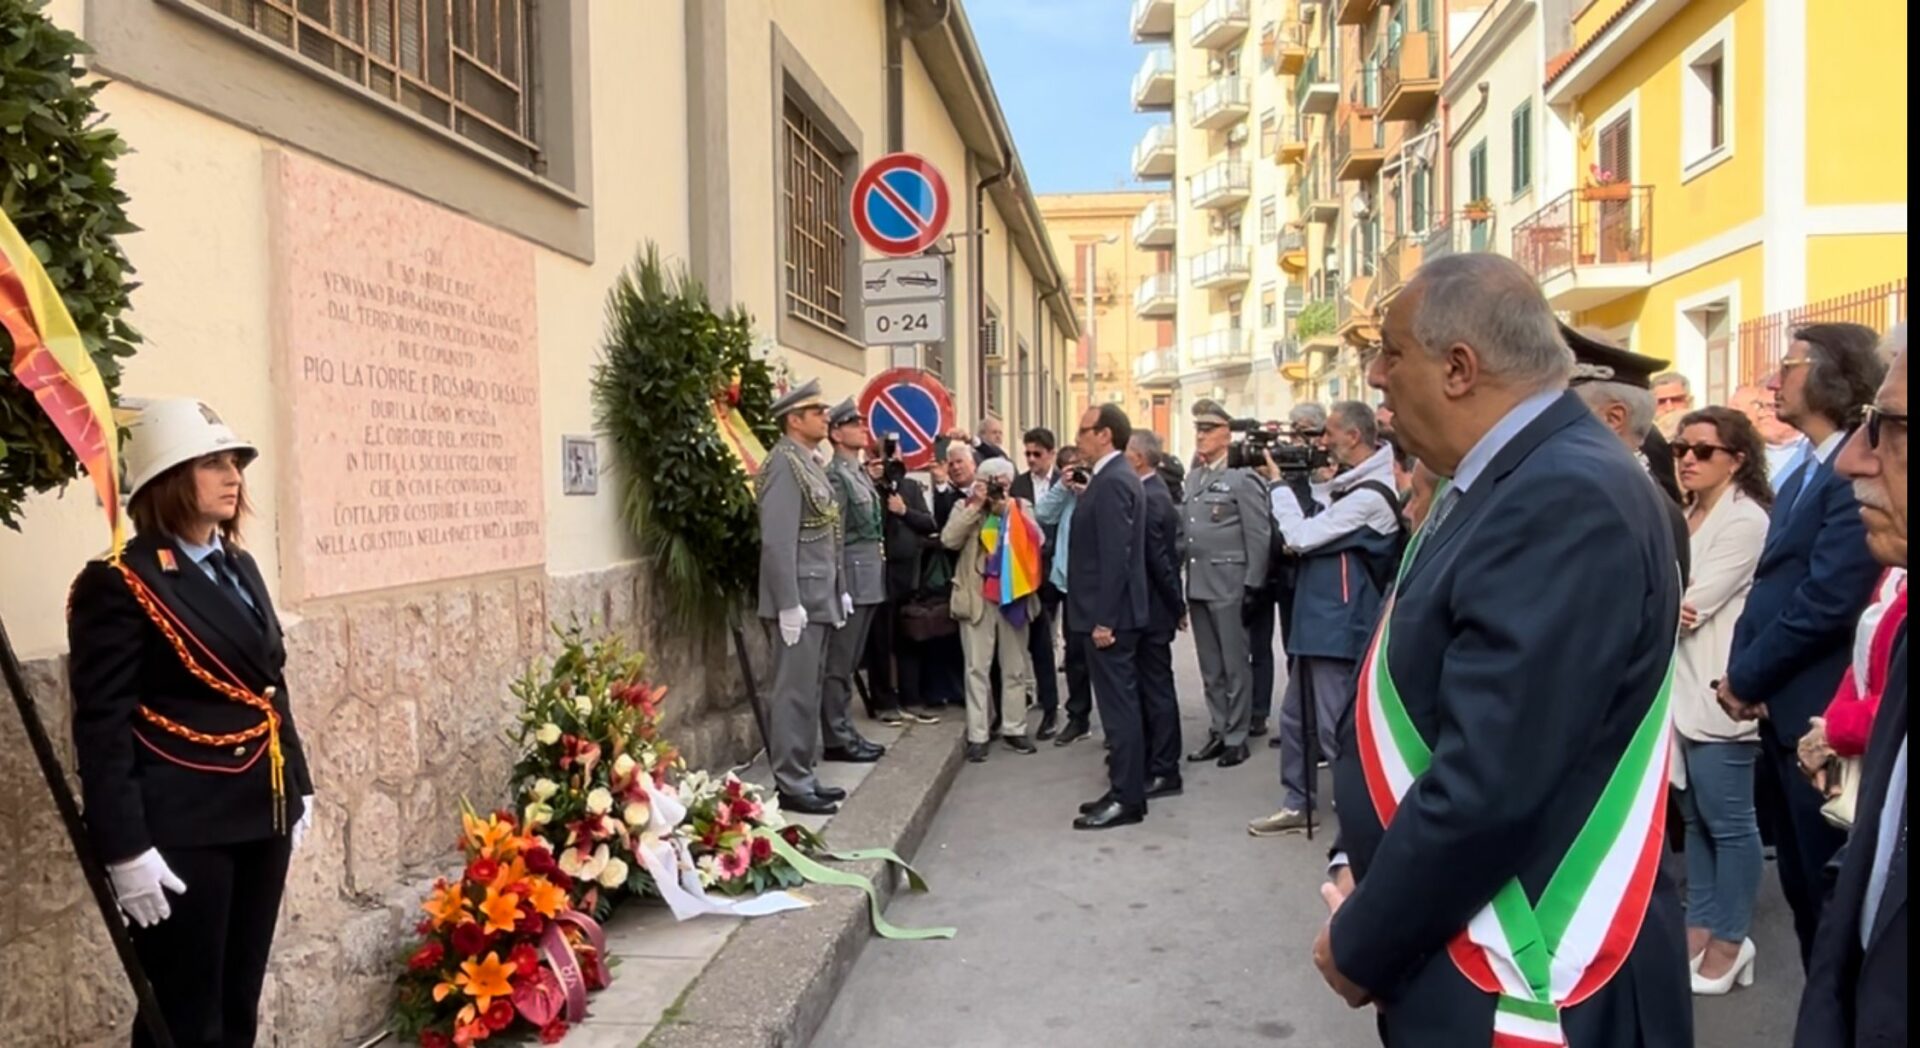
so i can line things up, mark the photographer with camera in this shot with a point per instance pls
(1272, 604)
(1347, 554)
(894, 686)
(1228, 539)
(995, 597)
(1055, 510)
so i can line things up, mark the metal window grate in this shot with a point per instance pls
(816, 201)
(463, 64)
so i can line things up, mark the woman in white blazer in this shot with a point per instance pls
(1723, 468)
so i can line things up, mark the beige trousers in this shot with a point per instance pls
(980, 641)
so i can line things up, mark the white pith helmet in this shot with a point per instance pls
(168, 432)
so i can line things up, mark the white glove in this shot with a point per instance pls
(141, 884)
(793, 622)
(306, 822)
(846, 606)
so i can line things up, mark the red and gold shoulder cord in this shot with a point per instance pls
(177, 635)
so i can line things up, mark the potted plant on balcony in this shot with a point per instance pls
(1478, 210)
(1605, 186)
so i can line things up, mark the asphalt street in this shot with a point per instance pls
(1180, 931)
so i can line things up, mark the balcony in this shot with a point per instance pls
(1218, 23)
(1354, 320)
(1353, 12)
(1104, 367)
(1591, 246)
(1217, 350)
(1410, 81)
(1293, 249)
(1223, 266)
(1290, 140)
(1153, 156)
(1225, 184)
(1318, 200)
(1152, 20)
(1397, 265)
(1290, 48)
(1157, 368)
(1157, 297)
(1225, 100)
(1315, 91)
(1154, 226)
(1153, 84)
(1359, 151)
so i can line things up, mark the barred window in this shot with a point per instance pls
(463, 64)
(816, 198)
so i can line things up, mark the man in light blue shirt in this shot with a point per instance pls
(1055, 509)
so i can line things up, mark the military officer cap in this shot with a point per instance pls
(844, 413)
(805, 395)
(1596, 359)
(1207, 411)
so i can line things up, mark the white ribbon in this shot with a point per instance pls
(666, 857)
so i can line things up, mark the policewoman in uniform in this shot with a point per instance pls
(195, 784)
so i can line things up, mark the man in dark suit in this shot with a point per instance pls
(1814, 578)
(1039, 477)
(1857, 982)
(1532, 633)
(1107, 600)
(892, 660)
(1166, 612)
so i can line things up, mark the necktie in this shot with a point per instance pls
(229, 582)
(1442, 510)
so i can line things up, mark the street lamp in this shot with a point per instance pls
(1093, 269)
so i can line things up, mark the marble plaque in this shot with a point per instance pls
(408, 368)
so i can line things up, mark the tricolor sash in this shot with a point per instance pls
(1538, 957)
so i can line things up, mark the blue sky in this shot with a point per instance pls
(1064, 71)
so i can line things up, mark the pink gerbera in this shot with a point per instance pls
(735, 863)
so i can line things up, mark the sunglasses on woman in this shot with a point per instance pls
(1700, 452)
(1870, 418)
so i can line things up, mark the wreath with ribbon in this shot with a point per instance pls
(686, 407)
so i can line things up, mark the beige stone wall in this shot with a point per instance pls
(400, 701)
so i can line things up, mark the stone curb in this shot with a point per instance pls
(771, 985)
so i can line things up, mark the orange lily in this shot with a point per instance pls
(502, 911)
(485, 979)
(547, 898)
(446, 905)
(512, 871)
(486, 835)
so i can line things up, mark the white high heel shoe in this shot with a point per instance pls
(1741, 973)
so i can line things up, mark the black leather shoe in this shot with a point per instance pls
(1096, 803)
(976, 753)
(808, 804)
(1274, 743)
(1047, 728)
(869, 746)
(1257, 728)
(849, 755)
(1214, 748)
(831, 793)
(1072, 733)
(1019, 743)
(1165, 786)
(1233, 755)
(1109, 815)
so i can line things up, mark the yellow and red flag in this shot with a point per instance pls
(51, 361)
(734, 431)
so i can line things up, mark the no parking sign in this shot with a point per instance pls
(900, 204)
(912, 405)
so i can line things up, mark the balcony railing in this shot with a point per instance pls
(1157, 367)
(1293, 300)
(1104, 366)
(1359, 146)
(1153, 157)
(1153, 83)
(1595, 226)
(1218, 23)
(1353, 12)
(1318, 201)
(1289, 139)
(1403, 256)
(1289, 47)
(1353, 311)
(1765, 341)
(1221, 102)
(1410, 82)
(1223, 184)
(1222, 348)
(1293, 248)
(1157, 296)
(1314, 91)
(1363, 91)
(1154, 226)
(1152, 20)
(1221, 266)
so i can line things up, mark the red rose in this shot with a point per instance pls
(427, 957)
(540, 861)
(762, 849)
(561, 879)
(533, 924)
(792, 835)
(482, 871)
(505, 816)
(499, 1014)
(469, 939)
(423, 927)
(734, 789)
(435, 1039)
(553, 1032)
(526, 959)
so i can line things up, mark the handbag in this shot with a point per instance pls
(928, 614)
(1843, 786)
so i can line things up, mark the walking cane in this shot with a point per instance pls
(1309, 745)
(90, 866)
(753, 690)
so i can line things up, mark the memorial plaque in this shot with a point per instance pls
(409, 370)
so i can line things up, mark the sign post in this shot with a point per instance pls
(900, 207)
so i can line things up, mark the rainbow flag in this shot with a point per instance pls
(51, 361)
(1012, 545)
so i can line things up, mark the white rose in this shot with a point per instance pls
(623, 766)
(538, 815)
(614, 875)
(709, 871)
(599, 802)
(548, 734)
(636, 814)
(544, 789)
(583, 705)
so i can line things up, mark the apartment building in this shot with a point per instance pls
(1215, 68)
(304, 175)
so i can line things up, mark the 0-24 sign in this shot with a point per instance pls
(903, 323)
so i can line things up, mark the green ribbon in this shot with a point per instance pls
(815, 873)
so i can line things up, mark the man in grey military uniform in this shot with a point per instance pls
(1229, 530)
(864, 572)
(803, 599)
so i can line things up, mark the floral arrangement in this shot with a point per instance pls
(1601, 176)
(590, 734)
(726, 834)
(501, 951)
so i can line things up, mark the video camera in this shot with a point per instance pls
(1254, 440)
(892, 470)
